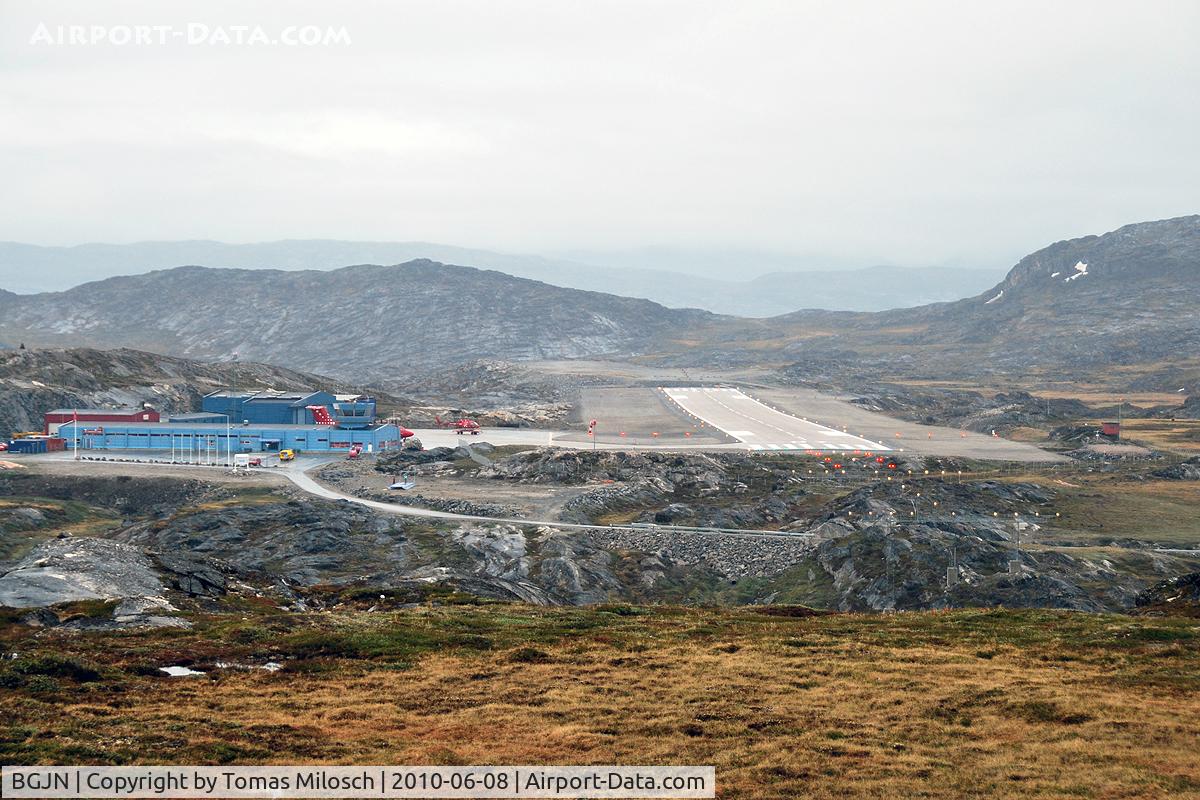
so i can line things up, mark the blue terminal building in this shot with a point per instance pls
(291, 408)
(249, 422)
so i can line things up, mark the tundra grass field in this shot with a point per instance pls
(785, 702)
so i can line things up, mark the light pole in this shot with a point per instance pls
(1016, 559)
(228, 442)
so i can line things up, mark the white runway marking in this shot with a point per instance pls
(748, 419)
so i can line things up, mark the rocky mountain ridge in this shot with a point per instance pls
(366, 321)
(1128, 297)
(675, 280)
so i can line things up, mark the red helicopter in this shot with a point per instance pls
(460, 426)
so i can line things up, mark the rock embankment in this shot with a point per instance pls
(732, 557)
(1179, 596)
(450, 505)
(72, 568)
(698, 472)
(1183, 471)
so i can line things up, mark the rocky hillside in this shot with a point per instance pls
(1129, 297)
(150, 539)
(177, 539)
(35, 381)
(362, 321)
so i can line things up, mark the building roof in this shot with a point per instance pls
(267, 395)
(127, 410)
(281, 397)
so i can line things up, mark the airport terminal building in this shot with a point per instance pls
(247, 422)
(248, 438)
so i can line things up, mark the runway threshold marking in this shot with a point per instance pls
(791, 439)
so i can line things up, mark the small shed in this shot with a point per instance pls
(1110, 429)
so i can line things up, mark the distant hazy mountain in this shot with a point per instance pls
(361, 321)
(870, 289)
(29, 268)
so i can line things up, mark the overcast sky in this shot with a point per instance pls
(903, 133)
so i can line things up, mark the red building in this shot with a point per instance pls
(1111, 429)
(100, 415)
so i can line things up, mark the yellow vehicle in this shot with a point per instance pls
(287, 455)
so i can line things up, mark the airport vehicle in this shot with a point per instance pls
(460, 426)
(287, 455)
(403, 483)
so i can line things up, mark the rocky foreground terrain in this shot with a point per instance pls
(169, 544)
(859, 543)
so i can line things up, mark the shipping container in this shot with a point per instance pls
(27, 446)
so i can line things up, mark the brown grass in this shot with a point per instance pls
(916, 705)
(1107, 397)
(1176, 436)
(1111, 508)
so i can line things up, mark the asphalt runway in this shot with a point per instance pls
(641, 416)
(761, 427)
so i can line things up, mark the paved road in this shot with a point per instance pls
(304, 481)
(761, 427)
(441, 437)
